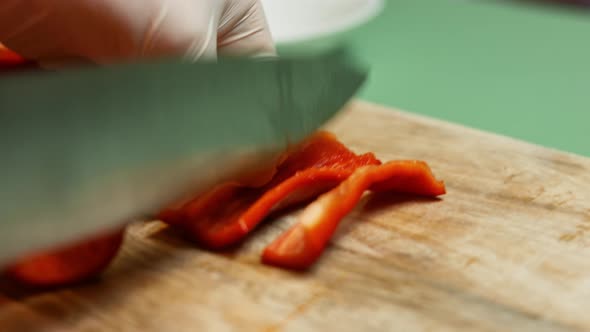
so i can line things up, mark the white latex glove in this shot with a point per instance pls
(60, 32)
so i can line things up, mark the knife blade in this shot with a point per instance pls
(92, 148)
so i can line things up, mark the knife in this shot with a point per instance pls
(87, 149)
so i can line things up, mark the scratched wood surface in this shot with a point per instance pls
(508, 248)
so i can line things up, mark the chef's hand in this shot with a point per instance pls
(60, 32)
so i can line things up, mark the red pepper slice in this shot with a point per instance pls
(11, 61)
(300, 246)
(236, 216)
(9, 58)
(229, 212)
(68, 264)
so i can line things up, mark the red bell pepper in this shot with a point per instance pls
(67, 264)
(229, 212)
(234, 218)
(302, 245)
(9, 58)
(11, 61)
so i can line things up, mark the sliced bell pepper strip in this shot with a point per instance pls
(11, 61)
(67, 264)
(9, 58)
(300, 246)
(244, 212)
(322, 150)
(226, 214)
(174, 214)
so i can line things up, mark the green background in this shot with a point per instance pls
(518, 70)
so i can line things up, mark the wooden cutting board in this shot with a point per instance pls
(508, 248)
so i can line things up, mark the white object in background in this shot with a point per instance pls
(295, 22)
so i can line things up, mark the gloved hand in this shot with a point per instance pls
(59, 32)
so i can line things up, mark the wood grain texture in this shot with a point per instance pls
(508, 248)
